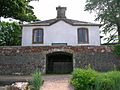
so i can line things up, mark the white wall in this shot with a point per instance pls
(60, 32)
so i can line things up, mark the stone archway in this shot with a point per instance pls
(59, 63)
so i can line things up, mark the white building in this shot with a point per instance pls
(60, 31)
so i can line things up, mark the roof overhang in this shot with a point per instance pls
(69, 21)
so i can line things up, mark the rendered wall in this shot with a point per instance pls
(60, 32)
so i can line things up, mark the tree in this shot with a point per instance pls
(108, 12)
(9, 34)
(17, 9)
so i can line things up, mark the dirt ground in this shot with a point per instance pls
(51, 82)
(57, 82)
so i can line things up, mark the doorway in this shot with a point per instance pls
(59, 63)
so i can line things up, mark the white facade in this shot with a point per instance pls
(60, 32)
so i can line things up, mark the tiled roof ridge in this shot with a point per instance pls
(69, 21)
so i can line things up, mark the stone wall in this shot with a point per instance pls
(24, 60)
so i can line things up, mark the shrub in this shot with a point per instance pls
(103, 82)
(117, 50)
(91, 80)
(83, 79)
(37, 80)
(115, 77)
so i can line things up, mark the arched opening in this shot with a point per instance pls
(59, 63)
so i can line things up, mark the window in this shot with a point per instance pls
(82, 35)
(38, 35)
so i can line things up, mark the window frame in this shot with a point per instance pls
(86, 36)
(33, 36)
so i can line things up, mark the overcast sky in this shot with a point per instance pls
(46, 9)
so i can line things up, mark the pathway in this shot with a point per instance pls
(51, 82)
(56, 82)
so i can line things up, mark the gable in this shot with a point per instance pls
(61, 24)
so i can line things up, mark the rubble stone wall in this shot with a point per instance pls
(24, 60)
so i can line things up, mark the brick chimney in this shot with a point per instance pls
(61, 12)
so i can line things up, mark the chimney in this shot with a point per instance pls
(61, 12)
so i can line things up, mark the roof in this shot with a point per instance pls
(69, 21)
(61, 16)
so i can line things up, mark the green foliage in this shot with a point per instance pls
(37, 80)
(108, 12)
(108, 81)
(117, 50)
(83, 79)
(88, 79)
(115, 78)
(103, 82)
(9, 34)
(17, 9)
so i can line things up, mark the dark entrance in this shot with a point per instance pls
(59, 63)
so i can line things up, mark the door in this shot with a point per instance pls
(62, 67)
(59, 63)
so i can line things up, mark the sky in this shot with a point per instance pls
(46, 9)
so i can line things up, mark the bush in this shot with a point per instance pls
(117, 50)
(103, 82)
(83, 79)
(88, 79)
(37, 80)
(115, 78)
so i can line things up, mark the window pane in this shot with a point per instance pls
(38, 36)
(86, 37)
(37, 33)
(82, 35)
(37, 39)
(40, 33)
